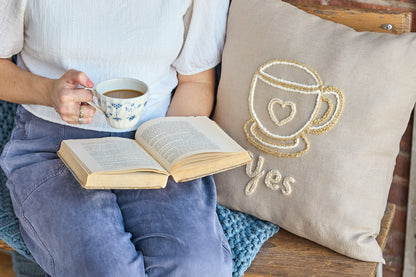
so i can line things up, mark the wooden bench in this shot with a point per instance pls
(288, 255)
(5, 246)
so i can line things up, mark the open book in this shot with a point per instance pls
(184, 147)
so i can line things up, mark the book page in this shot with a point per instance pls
(112, 154)
(170, 139)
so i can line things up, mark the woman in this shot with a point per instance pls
(76, 232)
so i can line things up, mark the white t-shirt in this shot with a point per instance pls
(149, 40)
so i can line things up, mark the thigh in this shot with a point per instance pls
(69, 230)
(177, 229)
(72, 231)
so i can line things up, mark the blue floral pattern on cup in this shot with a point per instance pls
(116, 110)
(120, 113)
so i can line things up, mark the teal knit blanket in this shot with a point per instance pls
(246, 234)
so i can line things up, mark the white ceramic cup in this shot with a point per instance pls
(120, 113)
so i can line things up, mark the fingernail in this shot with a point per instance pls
(90, 84)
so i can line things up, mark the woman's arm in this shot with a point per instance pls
(194, 94)
(63, 94)
(16, 83)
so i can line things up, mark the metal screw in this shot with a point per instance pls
(387, 26)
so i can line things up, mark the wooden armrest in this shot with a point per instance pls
(381, 21)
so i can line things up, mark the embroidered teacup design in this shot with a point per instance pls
(287, 100)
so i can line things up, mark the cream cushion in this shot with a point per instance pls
(322, 108)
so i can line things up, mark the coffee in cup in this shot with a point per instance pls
(123, 93)
(121, 100)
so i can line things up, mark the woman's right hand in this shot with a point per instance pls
(68, 99)
(63, 94)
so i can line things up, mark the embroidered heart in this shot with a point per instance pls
(283, 105)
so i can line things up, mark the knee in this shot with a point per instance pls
(114, 268)
(104, 264)
(206, 263)
(202, 262)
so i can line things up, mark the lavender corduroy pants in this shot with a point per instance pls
(72, 231)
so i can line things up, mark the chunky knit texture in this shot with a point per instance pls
(9, 227)
(24, 267)
(246, 234)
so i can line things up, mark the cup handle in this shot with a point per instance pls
(330, 118)
(92, 103)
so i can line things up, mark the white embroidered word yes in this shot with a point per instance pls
(272, 179)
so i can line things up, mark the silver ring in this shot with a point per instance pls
(81, 115)
(81, 112)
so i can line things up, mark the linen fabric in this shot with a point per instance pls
(146, 40)
(322, 108)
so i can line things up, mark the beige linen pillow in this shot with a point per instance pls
(322, 108)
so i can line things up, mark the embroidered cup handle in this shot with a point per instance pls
(334, 100)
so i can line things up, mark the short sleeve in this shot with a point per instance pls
(204, 38)
(11, 27)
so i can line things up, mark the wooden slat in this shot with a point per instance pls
(5, 246)
(386, 224)
(288, 255)
(381, 21)
(6, 269)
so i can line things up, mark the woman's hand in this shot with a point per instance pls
(68, 99)
(63, 94)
